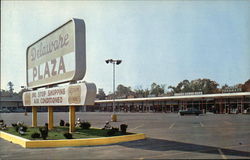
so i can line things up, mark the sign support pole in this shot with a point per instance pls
(72, 119)
(50, 118)
(34, 116)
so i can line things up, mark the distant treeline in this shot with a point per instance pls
(206, 86)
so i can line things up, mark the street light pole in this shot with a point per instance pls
(113, 88)
(114, 62)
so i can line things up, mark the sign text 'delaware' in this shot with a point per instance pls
(58, 57)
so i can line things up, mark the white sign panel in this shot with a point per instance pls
(58, 57)
(74, 94)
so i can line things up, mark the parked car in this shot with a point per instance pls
(4, 110)
(19, 110)
(234, 111)
(190, 111)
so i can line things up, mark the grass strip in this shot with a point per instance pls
(57, 133)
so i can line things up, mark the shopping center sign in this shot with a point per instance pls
(74, 94)
(58, 57)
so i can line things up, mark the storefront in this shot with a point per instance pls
(216, 103)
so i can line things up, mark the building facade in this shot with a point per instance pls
(11, 103)
(216, 103)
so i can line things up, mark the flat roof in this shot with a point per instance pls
(10, 99)
(203, 96)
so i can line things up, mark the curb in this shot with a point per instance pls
(70, 142)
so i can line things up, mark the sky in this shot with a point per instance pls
(158, 41)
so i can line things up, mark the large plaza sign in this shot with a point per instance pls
(58, 57)
(75, 94)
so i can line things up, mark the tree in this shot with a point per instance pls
(4, 93)
(20, 93)
(123, 91)
(139, 92)
(225, 86)
(246, 86)
(101, 94)
(186, 86)
(183, 86)
(206, 86)
(10, 85)
(157, 89)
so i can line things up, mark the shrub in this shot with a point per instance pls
(68, 135)
(67, 124)
(111, 132)
(62, 123)
(14, 124)
(16, 128)
(123, 128)
(24, 128)
(115, 129)
(35, 135)
(85, 125)
(19, 127)
(2, 125)
(44, 131)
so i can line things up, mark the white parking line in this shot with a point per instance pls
(172, 125)
(222, 154)
(136, 127)
(202, 125)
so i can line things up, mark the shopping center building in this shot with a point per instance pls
(217, 103)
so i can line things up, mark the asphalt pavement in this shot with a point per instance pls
(169, 136)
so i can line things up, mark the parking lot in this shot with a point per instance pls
(213, 136)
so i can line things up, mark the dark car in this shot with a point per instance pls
(190, 111)
(19, 110)
(4, 110)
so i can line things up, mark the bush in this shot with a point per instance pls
(14, 124)
(85, 125)
(16, 128)
(24, 128)
(67, 124)
(123, 128)
(19, 127)
(35, 135)
(2, 125)
(68, 135)
(62, 123)
(112, 131)
(44, 131)
(115, 129)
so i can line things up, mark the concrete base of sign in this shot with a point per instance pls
(70, 142)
